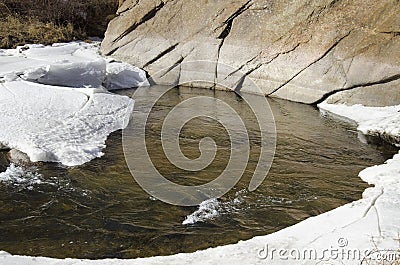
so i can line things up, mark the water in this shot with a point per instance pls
(97, 210)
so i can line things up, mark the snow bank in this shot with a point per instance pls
(59, 124)
(75, 64)
(53, 105)
(383, 122)
(123, 75)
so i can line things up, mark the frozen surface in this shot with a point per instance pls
(383, 122)
(74, 74)
(123, 75)
(75, 64)
(53, 103)
(352, 234)
(59, 124)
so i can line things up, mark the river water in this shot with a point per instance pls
(98, 210)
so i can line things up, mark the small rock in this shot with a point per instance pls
(18, 157)
(3, 147)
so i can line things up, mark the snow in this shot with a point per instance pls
(75, 64)
(53, 105)
(122, 75)
(59, 124)
(74, 74)
(383, 122)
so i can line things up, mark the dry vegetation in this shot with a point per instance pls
(49, 21)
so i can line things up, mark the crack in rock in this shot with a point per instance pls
(395, 33)
(239, 84)
(379, 82)
(160, 55)
(333, 46)
(123, 9)
(177, 63)
(148, 16)
(228, 22)
(224, 34)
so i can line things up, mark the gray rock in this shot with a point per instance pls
(18, 157)
(305, 51)
(374, 96)
(3, 147)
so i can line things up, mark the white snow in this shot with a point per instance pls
(59, 124)
(75, 74)
(123, 75)
(75, 64)
(53, 105)
(383, 122)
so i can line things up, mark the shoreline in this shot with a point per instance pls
(364, 226)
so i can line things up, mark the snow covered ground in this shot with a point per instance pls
(54, 103)
(362, 232)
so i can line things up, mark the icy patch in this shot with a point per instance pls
(53, 106)
(75, 74)
(123, 75)
(59, 124)
(33, 74)
(208, 209)
(75, 64)
(376, 121)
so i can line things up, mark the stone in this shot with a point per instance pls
(18, 157)
(372, 96)
(3, 147)
(303, 51)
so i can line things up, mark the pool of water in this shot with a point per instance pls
(98, 210)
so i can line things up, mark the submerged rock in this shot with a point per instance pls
(302, 50)
(19, 158)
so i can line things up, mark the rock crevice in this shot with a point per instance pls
(149, 15)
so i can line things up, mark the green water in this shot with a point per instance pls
(97, 210)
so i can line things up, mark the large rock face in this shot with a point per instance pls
(303, 50)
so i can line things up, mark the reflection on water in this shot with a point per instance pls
(97, 210)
